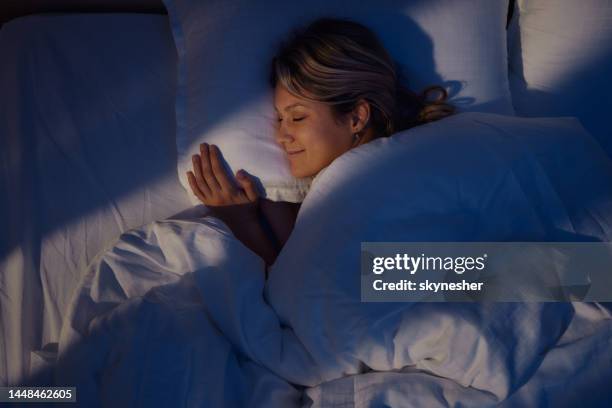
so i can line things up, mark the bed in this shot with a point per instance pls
(96, 116)
(89, 155)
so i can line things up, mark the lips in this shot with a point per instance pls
(291, 153)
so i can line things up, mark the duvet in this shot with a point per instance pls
(178, 312)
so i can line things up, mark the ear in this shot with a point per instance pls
(360, 116)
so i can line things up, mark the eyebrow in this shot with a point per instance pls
(293, 105)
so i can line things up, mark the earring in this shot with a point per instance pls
(356, 137)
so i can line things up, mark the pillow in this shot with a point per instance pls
(225, 49)
(560, 54)
(469, 177)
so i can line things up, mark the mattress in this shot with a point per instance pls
(87, 145)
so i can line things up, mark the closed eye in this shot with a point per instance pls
(279, 120)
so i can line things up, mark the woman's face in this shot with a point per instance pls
(309, 133)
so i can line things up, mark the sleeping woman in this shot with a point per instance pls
(335, 88)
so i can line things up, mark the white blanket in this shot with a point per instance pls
(215, 322)
(206, 337)
(161, 349)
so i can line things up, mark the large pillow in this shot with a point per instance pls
(225, 48)
(560, 54)
(470, 177)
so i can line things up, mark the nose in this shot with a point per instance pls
(283, 135)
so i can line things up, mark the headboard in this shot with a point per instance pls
(10, 9)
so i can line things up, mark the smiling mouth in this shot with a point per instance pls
(294, 152)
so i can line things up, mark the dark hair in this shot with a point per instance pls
(339, 62)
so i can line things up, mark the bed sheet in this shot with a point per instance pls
(87, 145)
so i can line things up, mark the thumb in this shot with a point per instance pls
(248, 184)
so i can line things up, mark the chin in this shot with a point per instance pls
(298, 174)
(302, 173)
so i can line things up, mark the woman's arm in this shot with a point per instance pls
(236, 206)
(280, 218)
(245, 222)
(262, 226)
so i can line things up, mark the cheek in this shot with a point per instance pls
(323, 150)
(325, 147)
(324, 140)
(316, 142)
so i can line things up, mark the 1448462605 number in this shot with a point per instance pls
(42, 394)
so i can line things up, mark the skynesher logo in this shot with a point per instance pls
(486, 271)
(413, 264)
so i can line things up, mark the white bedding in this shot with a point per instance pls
(80, 170)
(161, 349)
(575, 372)
(216, 334)
(165, 348)
(87, 152)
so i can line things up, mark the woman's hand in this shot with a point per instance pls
(213, 185)
(236, 206)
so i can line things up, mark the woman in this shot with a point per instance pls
(335, 88)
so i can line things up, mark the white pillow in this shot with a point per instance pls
(560, 54)
(225, 49)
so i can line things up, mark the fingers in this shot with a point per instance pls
(194, 187)
(199, 178)
(248, 185)
(206, 169)
(211, 183)
(219, 171)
